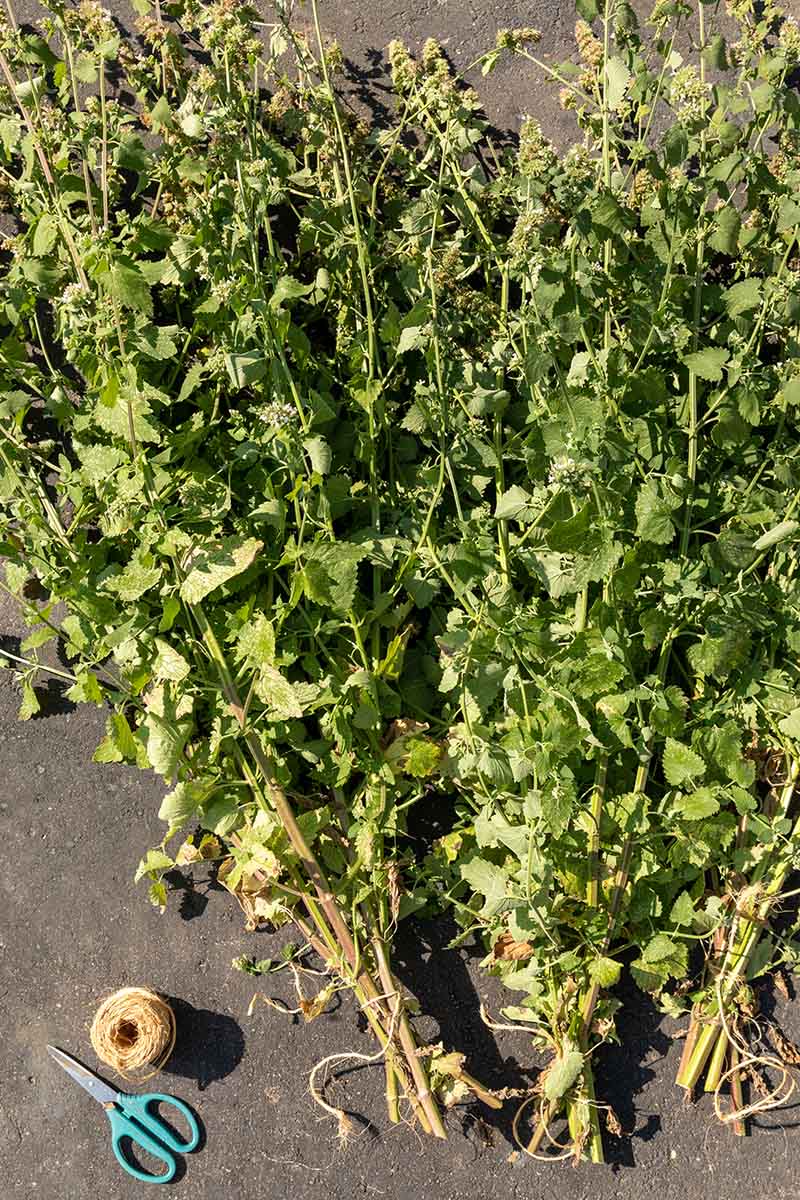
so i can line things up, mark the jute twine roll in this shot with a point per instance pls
(134, 1032)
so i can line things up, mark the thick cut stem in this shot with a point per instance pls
(416, 1066)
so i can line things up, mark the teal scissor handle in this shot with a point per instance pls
(130, 1117)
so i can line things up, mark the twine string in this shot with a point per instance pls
(133, 1032)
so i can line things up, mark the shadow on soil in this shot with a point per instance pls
(220, 1037)
(447, 994)
(50, 692)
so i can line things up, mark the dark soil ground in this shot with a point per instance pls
(74, 927)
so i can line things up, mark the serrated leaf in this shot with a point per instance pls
(170, 663)
(30, 705)
(167, 726)
(486, 879)
(255, 643)
(514, 505)
(682, 911)
(562, 1074)
(330, 574)
(154, 860)
(742, 297)
(126, 283)
(791, 725)
(319, 452)
(182, 802)
(211, 566)
(696, 805)
(279, 694)
(654, 515)
(119, 744)
(156, 341)
(411, 338)
(681, 764)
(138, 577)
(605, 971)
(617, 79)
(725, 234)
(708, 363)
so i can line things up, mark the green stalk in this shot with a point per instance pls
(743, 940)
(363, 267)
(691, 460)
(316, 874)
(595, 814)
(415, 1063)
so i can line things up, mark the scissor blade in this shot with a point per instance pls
(102, 1093)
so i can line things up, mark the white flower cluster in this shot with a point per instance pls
(568, 474)
(689, 95)
(278, 415)
(74, 295)
(223, 290)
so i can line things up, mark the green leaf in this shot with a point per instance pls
(255, 643)
(411, 338)
(654, 515)
(707, 363)
(138, 577)
(725, 235)
(126, 283)
(486, 879)
(157, 341)
(246, 367)
(330, 574)
(167, 727)
(605, 971)
(714, 54)
(279, 694)
(791, 725)
(169, 664)
(617, 79)
(681, 764)
(119, 744)
(161, 115)
(192, 125)
(182, 802)
(288, 288)
(788, 215)
(423, 757)
(153, 861)
(319, 452)
(85, 69)
(211, 566)
(563, 1073)
(696, 805)
(45, 234)
(742, 297)
(30, 705)
(514, 505)
(682, 911)
(85, 690)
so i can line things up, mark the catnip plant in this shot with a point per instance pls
(364, 472)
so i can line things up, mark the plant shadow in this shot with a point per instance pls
(208, 1047)
(449, 996)
(50, 692)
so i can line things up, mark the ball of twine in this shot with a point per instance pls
(133, 1032)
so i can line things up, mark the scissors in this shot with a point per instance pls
(131, 1118)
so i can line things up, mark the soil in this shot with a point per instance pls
(75, 927)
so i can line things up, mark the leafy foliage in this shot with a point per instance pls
(369, 464)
